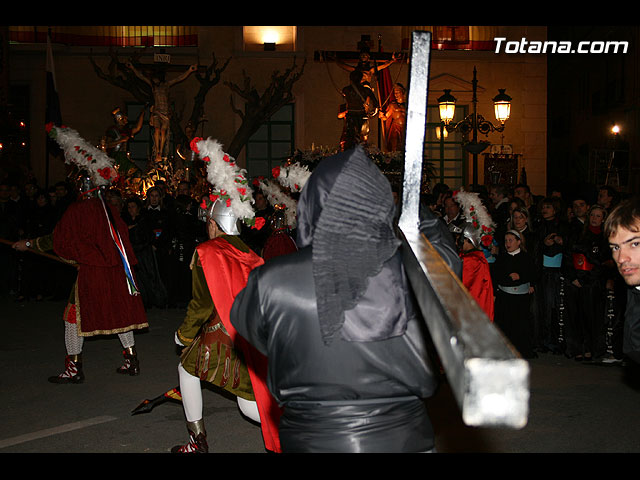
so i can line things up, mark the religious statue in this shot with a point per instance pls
(116, 140)
(185, 154)
(361, 105)
(365, 65)
(395, 118)
(160, 115)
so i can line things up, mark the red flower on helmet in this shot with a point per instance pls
(194, 144)
(275, 171)
(105, 172)
(260, 221)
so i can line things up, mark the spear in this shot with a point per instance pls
(43, 254)
(149, 404)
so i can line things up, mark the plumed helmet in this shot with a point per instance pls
(224, 217)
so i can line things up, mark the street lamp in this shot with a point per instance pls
(611, 169)
(474, 122)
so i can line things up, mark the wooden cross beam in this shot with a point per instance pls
(364, 45)
(488, 377)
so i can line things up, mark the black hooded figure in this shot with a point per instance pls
(348, 357)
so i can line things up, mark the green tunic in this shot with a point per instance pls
(210, 353)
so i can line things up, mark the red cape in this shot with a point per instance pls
(226, 270)
(477, 278)
(103, 299)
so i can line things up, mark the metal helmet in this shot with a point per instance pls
(86, 186)
(278, 220)
(472, 234)
(224, 217)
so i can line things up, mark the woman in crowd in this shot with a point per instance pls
(587, 268)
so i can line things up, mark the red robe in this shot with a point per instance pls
(103, 304)
(226, 270)
(278, 243)
(477, 278)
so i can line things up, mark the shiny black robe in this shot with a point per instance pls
(344, 396)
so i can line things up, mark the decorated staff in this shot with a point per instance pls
(213, 351)
(105, 298)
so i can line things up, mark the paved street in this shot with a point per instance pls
(573, 408)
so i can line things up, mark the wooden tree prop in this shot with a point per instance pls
(259, 108)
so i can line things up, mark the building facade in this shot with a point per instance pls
(311, 121)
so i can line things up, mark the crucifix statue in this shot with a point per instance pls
(366, 94)
(160, 113)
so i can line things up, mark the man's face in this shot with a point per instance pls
(154, 198)
(183, 189)
(521, 193)
(580, 208)
(604, 198)
(494, 196)
(625, 249)
(451, 208)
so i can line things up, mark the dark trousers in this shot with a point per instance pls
(585, 331)
(551, 312)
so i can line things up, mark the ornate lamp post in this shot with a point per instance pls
(474, 122)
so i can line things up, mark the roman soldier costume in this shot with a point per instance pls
(105, 299)
(214, 352)
(478, 231)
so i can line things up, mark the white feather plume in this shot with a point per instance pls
(86, 156)
(229, 179)
(275, 196)
(293, 176)
(473, 209)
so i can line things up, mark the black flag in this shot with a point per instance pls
(53, 114)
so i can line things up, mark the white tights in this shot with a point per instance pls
(191, 392)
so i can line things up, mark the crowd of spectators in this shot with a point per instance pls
(574, 298)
